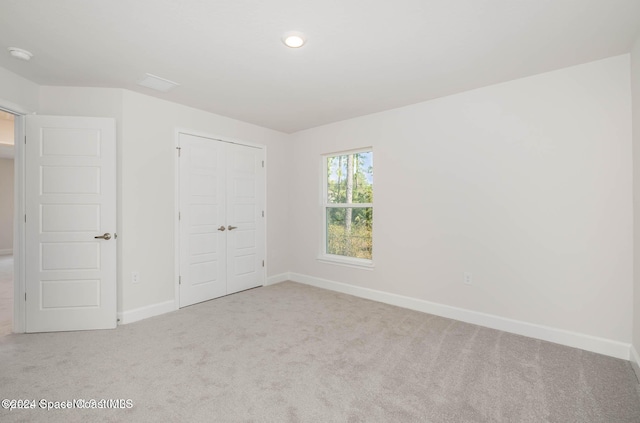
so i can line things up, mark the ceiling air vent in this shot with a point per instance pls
(157, 83)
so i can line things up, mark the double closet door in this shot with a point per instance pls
(221, 215)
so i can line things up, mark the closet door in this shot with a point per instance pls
(222, 224)
(203, 254)
(245, 217)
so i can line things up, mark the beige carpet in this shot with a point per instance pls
(6, 294)
(293, 353)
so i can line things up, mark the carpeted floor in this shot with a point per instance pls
(6, 294)
(294, 353)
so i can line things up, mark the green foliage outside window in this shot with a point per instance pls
(350, 221)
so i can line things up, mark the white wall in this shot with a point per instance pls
(6, 206)
(526, 184)
(635, 92)
(146, 152)
(17, 93)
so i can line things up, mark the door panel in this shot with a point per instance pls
(245, 199)
(74, 293)
(70, 199)
(84, 180)
(70, 218)
(69, 142)
(221, 187)
(202, 212)
(70, 256)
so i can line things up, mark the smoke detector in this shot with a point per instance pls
(21, 54)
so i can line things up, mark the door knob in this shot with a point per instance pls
(232, 227)
(106, 236)
(221, 228)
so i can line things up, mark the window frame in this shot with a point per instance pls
(324, 204)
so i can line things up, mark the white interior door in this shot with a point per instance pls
(202, 219)
(222, 231)
(70, 185)
(245, 199)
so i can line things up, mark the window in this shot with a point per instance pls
(348, 207)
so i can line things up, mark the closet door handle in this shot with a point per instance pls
(221, 228)
(232, 227)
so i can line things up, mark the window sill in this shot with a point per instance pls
(346, 261)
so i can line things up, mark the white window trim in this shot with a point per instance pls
(334, 258)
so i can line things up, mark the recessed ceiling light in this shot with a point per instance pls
(294, 39)
(157, 83)
(21, 54)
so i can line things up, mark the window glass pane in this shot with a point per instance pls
(350, 178)
(349, 231)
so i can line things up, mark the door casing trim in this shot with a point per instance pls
(19, 234)
(19, 201)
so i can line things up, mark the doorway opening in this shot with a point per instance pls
(7, 195)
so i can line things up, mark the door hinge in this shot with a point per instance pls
(179, 150)
(179, 216)
(25, 139)
(25, 218)
(262, 213)
(25, 296)
(262, 263)
(179, 280)
(263, 163)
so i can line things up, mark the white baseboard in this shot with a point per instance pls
(141, 313)
(272, 280)
(559, 336)
(136, 314)
(6, 252)
(635, 361)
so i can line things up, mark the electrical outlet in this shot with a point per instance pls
(467, 278)
(135, 277)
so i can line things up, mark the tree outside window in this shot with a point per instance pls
(348, 205)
